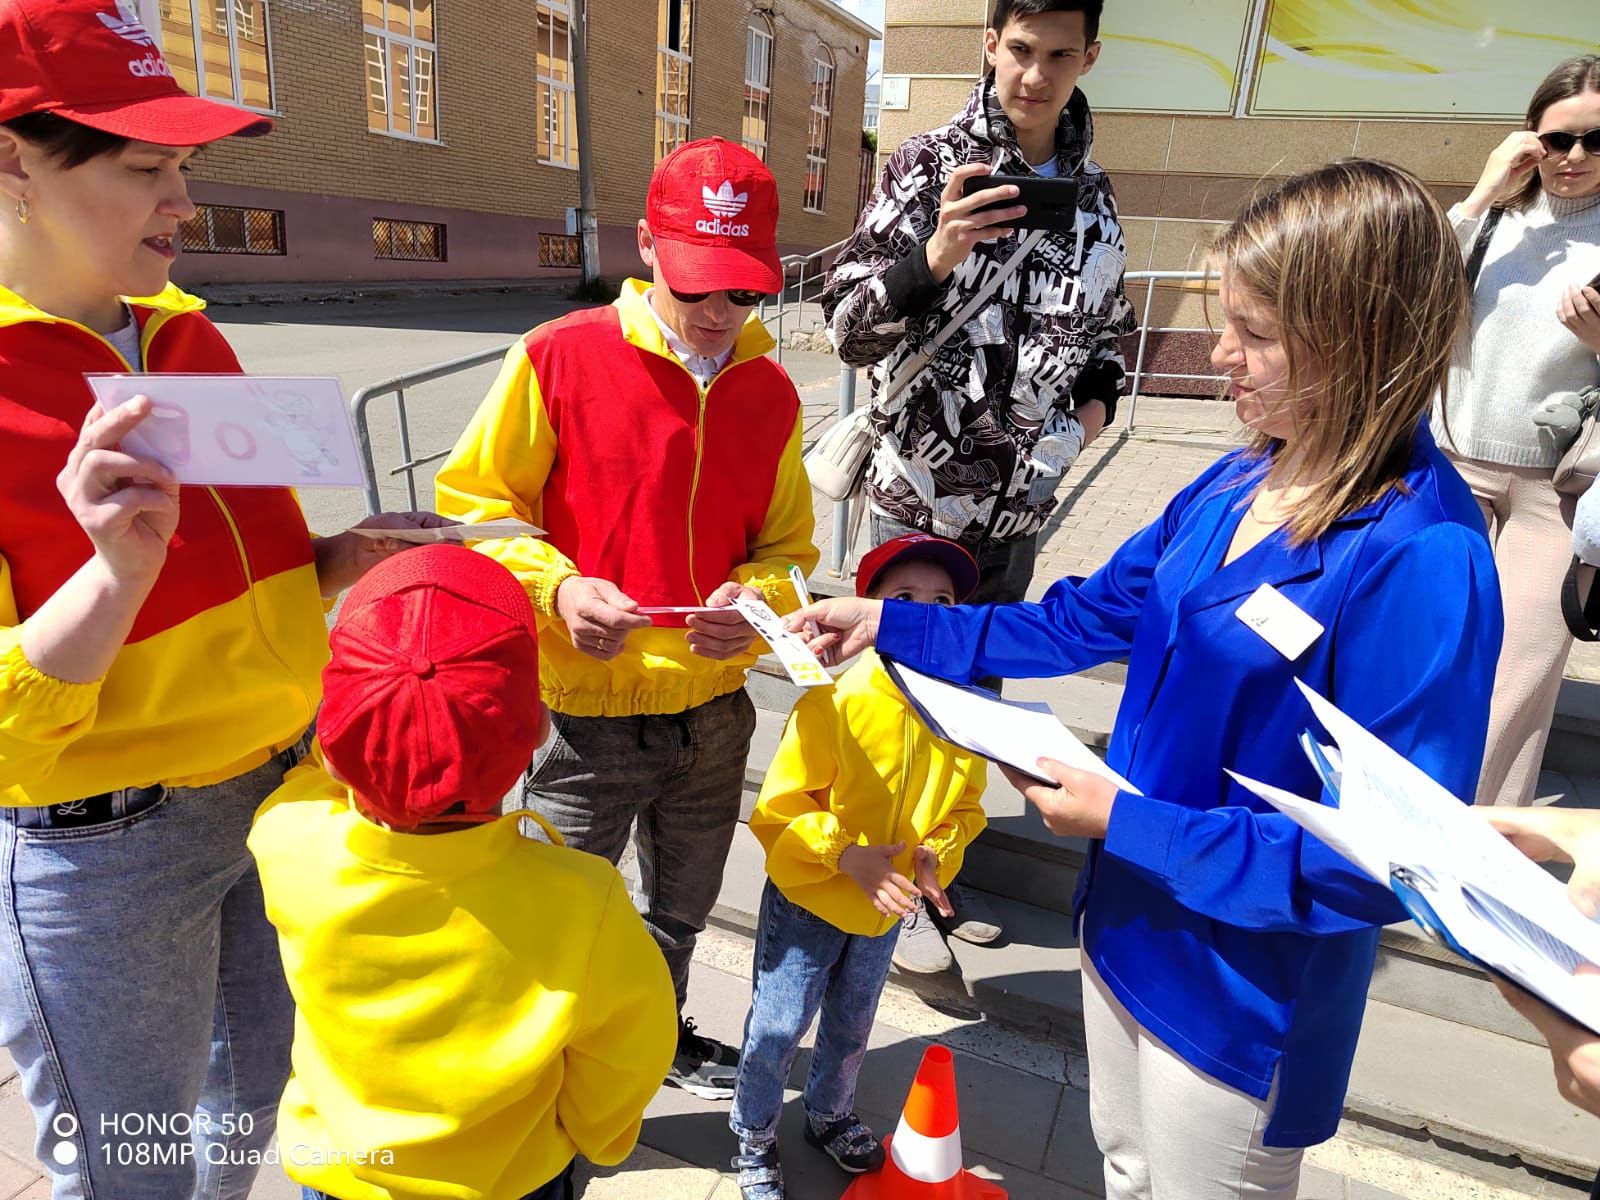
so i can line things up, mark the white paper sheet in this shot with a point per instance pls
(240, 430)
(1016, 733)
(1498, 906)
(481, 531)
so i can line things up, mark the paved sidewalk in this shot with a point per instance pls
(1024, 1117)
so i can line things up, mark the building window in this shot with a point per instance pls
(553, 74)
(560, 250)
(401, 60)
(674, 59)
(821, 123)
(224, 229)
(757, 83)
(218, 48)
(415, 241)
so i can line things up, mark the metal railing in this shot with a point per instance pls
(807, 268)
(802, 265)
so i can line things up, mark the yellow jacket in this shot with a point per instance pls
(223, 665)
(597, 433)
(856, 767)
(472, 1008)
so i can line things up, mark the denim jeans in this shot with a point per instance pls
(141, 993)
(559, 1188)
(803, 964)
(681, 776)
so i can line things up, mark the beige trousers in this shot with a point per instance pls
(1530, 528)
(1169, 1131)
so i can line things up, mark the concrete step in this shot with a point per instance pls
(1473, 1100)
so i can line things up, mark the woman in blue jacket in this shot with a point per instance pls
(1226, 954)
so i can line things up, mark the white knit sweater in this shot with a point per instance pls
(1520, 352)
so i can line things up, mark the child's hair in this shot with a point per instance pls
(1359, 265)
(1015, 10)
(1572, 78)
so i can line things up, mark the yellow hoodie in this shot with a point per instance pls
(856, 767)
(472, 1008)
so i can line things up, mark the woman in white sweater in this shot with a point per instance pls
(1535, 332)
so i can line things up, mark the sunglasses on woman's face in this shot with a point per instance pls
(1559, 141)
(740, 297)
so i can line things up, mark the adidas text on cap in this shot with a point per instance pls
(94, 62)
(713, 211)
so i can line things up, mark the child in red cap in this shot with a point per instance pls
(450, 1034)
(860, 800)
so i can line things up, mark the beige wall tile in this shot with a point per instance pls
(1438, 151)
(1131, 141)
(1229, 146)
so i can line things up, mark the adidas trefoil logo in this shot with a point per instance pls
(126, 24)
(723, 203)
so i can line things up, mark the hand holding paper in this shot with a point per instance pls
(723, 631)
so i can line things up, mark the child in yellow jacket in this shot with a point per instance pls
(860, 800)
(473, 1007)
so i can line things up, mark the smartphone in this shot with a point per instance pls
(1051, 203)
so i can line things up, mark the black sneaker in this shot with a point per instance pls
(848, 1142)
(704, 1066)
(760, 1176)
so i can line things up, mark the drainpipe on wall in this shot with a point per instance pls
(588, 225)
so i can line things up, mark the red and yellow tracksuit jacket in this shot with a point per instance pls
(223, 667)
(597, 433)
(856, 767)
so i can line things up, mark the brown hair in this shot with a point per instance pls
(1572, 78)
(1359, 265)
(67, 142)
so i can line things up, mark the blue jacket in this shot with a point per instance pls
(1241, 943)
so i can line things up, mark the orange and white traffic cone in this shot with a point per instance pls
(924, 1155)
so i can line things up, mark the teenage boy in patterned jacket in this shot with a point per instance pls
(974, 447)
(660, 448)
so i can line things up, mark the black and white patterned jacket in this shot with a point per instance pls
(974, 446)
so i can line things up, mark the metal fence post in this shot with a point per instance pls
(841, 508)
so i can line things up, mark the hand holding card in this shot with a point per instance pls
(240, 430)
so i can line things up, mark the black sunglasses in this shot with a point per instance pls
(1559, 141)
(742, 297)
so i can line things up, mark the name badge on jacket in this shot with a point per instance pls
(1282, 624)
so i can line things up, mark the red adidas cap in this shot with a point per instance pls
(713, 210)
(925, 547)
(431, 699)
(93, 62)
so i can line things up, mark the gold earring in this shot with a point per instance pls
(23, 211)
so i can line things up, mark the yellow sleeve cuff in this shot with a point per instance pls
(837, 843)
(544, 591)
(39, 702)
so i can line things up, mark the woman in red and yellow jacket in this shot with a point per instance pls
(160, 647)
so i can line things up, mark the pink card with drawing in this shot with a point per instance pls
(240, 430)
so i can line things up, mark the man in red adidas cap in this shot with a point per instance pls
(660, 448)
(474, 1007)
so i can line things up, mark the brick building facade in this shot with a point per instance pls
(1198, 104)
(432, 139)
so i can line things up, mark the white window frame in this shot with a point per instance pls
(387, 40)
(823, 69)
(232, 34)
(542, 83)
(678, 123)
(759, 41)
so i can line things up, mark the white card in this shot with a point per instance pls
(801, 664)
(675, 610)
(241, 430)
(1284, 626)
(482, 531)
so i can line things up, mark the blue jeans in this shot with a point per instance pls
(803, 964)
(141, 993)
(559, 1188)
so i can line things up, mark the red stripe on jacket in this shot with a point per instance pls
(43, 401)
(623, 497)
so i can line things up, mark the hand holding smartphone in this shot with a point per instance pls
(1050, 203)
